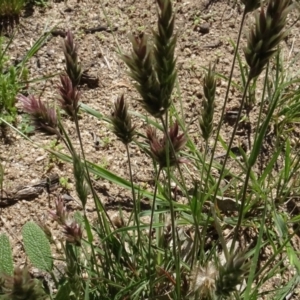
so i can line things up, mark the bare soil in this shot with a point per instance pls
(205, 31)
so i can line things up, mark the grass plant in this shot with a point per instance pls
(169, 256)
(10, 11)
(14, 78)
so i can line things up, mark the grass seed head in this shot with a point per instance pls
(43, 116)
(69, 96)
(203, 282)
(206, 119)
(118, 221)
(73, 67)
(265, 36)
(80, 181)
(153, 68)
(121, 121)
(60, 215)
(73, 233)
(159, 148)
(140, 63)
(164, 51)
(251, 5)
(231, 274)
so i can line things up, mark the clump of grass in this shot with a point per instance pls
(153, 258)
(13, 78)
(9, 87)
(10, 11)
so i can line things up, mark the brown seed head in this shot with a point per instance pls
(43, 116)
(251, 5)
(73, 233)
(60, 215)
(159, 148)
(153, 68)
(206, 119)
(266, 34)
(73, 68)
(121, 121)
(69, 96)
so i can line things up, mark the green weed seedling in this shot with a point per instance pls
(9, 87)
(25, 126)
(14, 78)
(64, 182)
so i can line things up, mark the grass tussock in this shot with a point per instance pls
(187, 249)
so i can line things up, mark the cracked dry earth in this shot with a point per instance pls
(205, 29)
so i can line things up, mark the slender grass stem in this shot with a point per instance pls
(95, 197)
(198, 239)
(224, 107)
(151, 224)
(186, 193)
(136, 204)
(229, 81)
(227, 155)
(172, 211)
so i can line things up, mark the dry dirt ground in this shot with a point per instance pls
(204, 28)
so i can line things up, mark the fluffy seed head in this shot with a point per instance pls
(203, 281)
(231, 274)
(160, 149)
(43, 116)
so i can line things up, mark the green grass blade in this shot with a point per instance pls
(254, 260)
(287, 165)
